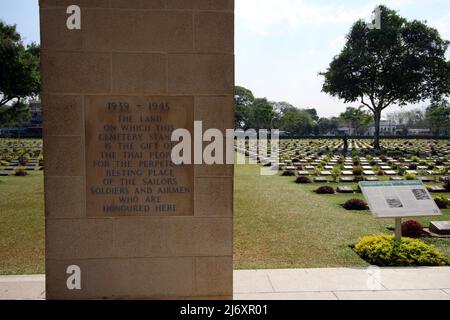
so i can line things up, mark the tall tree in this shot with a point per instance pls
(243, 99)
(414, 118)
(313, 113)
(356, 118)
(261, 115)
(401, 63)
(296, 122)
(19, 67)
(16, 114)
(327, 125)
(438, 116)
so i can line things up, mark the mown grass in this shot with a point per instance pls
(22, 224)
(279, 224)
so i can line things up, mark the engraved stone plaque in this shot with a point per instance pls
(129, 170)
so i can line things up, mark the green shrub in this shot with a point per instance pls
(325, 190)
(288, 173)
(447, 184)
(385, 251)
(412, 229)
(410, 177)
(441, 202)
(401, 171)
(335, 174)
(21, 173)
(357, 171)
(303, 180)
(355, 205)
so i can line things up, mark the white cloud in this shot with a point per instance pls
(280, 16)
(443, 25)
(267, 17)
(338, 43)
(288, 69)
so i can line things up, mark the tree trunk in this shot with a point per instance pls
(377, 118)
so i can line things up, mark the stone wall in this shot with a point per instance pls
(131, 52)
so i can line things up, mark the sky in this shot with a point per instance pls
(282, 45)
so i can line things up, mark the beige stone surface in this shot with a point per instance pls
(139, 73)
(202, 171)
(65, 117)
(158, 278)
(200, 237)
(177, 113)
(320, 280)
(158, 30)
(80, 239)
(138, 4)
(418, 295)
(78, 72)
(201, 73)
(216, 112)
(215, 31)
(22, 287)
(135, 51)
(252, 281)
(214, 276)
(416, 278)
(248, 284)
(96, 28)
(201, 4)
(64, 197)
(295, 296)
(64, 156)
(56, 34)
(213, 197)
(81, 3)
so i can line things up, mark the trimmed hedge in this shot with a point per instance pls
(412, 229)
(288, 173)
(355, 204)
(385, 251)
(325, 190)
(441, 202)
(303, 180)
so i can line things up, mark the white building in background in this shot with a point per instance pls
(387, 128)
(419, 131)
(346, 130)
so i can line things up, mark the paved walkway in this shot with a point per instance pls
(344, 284)
(300, 284)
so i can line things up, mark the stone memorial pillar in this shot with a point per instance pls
(118, 77)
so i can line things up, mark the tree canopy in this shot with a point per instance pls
(260, 113)
(296, 122)
(438, 116)
(243, 99)
(356, 118)
(401, 63)
(19, 67)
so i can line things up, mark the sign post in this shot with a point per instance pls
(398, 229)
(399, 199)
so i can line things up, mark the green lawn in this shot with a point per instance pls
(22, 224)
(279, 224)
